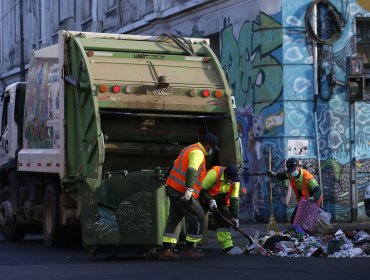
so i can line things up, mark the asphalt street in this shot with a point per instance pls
(30, 259)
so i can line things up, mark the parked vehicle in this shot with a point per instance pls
(86, 141)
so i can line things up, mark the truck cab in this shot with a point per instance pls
(11, 119)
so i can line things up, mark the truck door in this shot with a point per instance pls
(4, 137)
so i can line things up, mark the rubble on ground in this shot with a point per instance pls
(295, 242)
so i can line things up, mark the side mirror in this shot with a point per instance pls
(6, 97)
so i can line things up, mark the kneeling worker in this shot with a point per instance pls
(220, 191)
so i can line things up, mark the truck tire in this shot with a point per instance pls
(10, 229)
(51, 216)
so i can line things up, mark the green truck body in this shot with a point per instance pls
(92, 133)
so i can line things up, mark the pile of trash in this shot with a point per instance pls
(295, 242)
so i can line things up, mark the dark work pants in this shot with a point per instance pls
(193, 214)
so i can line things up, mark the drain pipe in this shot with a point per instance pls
(317, 87)
(352, 162)
(22, 71)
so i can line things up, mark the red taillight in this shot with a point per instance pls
(205, 93)
(206, 60)
(116, 89)
(90, 53)
(103, 88)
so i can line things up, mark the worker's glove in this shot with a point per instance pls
(212, 204)
(271, 173)
(187, 194)
(235, 221)
(312, 199)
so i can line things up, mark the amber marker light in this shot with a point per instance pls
(103, 88)
(116, 89)
(205, 93)
(219, 93)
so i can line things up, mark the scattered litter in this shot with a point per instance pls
(296, 242)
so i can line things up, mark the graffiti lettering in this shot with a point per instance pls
(103, 227)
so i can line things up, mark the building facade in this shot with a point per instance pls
(299, 71)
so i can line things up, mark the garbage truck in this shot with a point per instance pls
(85, 143)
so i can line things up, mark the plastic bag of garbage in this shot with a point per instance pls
(324, 216)
(355, 252)
(256, 250)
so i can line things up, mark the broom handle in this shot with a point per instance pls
(269, 159)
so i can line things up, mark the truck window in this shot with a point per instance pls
(4, 122)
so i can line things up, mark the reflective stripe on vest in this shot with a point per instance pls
(177, 176)
(215, 188)
(306, 177)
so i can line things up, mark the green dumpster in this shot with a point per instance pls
(139, 204)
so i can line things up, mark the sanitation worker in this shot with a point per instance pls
(220, 195)
(303, 182)
(183, 186)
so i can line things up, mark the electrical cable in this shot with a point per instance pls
(333, 13)
(181, 42)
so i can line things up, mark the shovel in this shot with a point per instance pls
(250, 239)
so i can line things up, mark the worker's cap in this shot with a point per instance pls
(211, 139)
(232, 173)
(291, 164)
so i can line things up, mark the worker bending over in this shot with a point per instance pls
(183, 186)
(220, 194)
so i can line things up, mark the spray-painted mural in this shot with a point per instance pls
(248, 61)
(270, 69)
(294, 100)
(42, 115)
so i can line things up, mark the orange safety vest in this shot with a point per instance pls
(215, 189)
(176, 179)
(306, 177)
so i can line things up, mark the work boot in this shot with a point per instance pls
(191, 253)
(168, 255)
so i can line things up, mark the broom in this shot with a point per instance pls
(272, 225)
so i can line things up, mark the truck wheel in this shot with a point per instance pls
(50, 218)
(8, 220)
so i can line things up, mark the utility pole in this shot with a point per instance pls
(21, 34)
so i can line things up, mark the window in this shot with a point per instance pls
(363, 52)
(4, 122)
(214, 41)
(86, 10)
(363, 38)
(111, 4)
(149, 7)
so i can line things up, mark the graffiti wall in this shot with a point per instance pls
(270, 67)
(293, 98)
